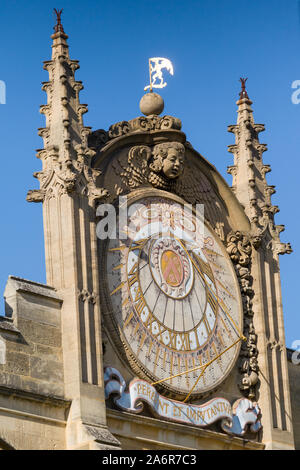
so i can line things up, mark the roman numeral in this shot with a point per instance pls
(139, 301)
(212, 301)
(133, 275)
(117, 288)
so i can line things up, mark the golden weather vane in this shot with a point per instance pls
(156, 64)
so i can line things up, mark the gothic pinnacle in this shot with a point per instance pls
(65, 128)
(249, 171)
(64, 135)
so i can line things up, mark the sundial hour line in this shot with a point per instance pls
(192, 316)
(150, 283)
(203, 366)
(220, 301)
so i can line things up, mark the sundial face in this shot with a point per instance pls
(174, 300)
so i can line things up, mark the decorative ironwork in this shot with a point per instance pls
(58, 28)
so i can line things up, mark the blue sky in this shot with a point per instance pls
(211, 44)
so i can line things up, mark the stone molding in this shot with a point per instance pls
(50, 400)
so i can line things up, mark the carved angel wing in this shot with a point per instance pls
(136, 171)
(195, 188)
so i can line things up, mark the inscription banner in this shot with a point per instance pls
(234, 419)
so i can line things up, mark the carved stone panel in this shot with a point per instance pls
(169, 166)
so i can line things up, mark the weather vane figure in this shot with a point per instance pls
(58, 28)
(156, 64)
(243, 93)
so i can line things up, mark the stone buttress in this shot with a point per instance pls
(267, 363)
(68, 193)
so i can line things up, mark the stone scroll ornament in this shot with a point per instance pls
(241, 417)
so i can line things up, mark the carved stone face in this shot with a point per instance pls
(173, 164)
(167, 163)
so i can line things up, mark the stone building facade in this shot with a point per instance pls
(75, 351)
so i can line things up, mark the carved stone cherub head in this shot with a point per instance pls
(160, 166)
(168, 159)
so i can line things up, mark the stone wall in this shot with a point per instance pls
(33, 409)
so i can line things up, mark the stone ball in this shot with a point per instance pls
(151, 103)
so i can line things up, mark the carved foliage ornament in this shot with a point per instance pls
(65, 177)
(144, 123)
(239, 248)
(99, 138)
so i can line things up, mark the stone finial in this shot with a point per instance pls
(151, 104)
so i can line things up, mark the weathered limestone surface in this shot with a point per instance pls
(33, 409)
(144, 433)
